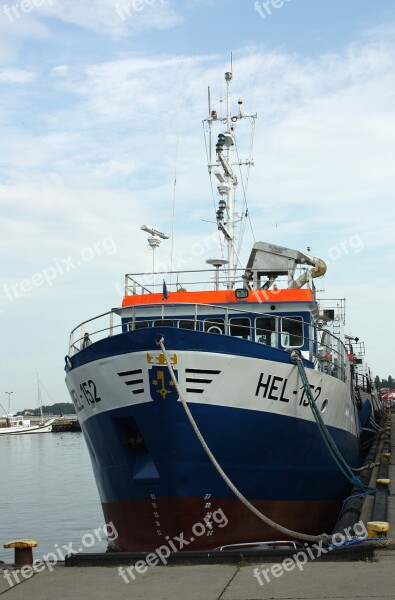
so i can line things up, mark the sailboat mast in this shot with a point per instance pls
(39, 399)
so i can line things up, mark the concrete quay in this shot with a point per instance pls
(371, 580)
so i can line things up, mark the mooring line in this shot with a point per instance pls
(324, 537)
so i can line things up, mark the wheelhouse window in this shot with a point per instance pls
(240, 327)
(265, 331)
(292, 332)
(187, 324)
(214, 325)
(163, 323)
(137, 325)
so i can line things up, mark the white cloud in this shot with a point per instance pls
(324, 141)
(113, 17)
(16, 76)
(60, 71)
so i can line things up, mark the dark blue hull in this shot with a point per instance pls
(165, 484)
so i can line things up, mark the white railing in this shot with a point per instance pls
(330, 357)
(202, 279)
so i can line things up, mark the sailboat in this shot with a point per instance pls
(208, 387)
(18, 425)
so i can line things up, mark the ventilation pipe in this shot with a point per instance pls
(319, 269)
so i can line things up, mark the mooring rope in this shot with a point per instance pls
(330, 442)
(324, 537)
(371, 465)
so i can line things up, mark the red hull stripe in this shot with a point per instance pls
(145, 525)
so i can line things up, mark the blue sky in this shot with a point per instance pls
(89, 108)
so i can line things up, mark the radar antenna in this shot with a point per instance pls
(154, 241)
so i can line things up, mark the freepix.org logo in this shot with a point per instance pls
(15, 11)
(264, 9)
(217, 518)
(308, 554)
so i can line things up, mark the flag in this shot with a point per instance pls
(165, 293)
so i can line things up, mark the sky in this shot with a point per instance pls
(101, 106)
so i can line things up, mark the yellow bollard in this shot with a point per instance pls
(23, 551)
(377, 529)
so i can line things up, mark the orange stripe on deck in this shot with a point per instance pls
(220, 297)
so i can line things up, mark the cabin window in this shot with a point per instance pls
(265, 331)
(137, 325)
(163, 323)
(241, 328)
(187, 324)
(292, 332)
(214, 325)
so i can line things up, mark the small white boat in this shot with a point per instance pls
(16, 425)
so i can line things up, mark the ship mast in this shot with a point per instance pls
(222, 168)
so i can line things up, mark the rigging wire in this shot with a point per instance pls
(252, 121)
(244, 184)
(46, 391)
(277, 194)
(175, 175)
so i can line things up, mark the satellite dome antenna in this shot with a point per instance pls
(217, 263)
(154, 241)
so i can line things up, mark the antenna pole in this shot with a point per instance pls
(222, 168)
(209, 122)
(230, 194)
(154, 241)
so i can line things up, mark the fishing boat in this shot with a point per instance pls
(229, 374)
(17, 425)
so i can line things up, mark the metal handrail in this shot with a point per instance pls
(182, 276)
(333, 359)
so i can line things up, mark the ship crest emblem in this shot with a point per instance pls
(159, 359)
(161, 384)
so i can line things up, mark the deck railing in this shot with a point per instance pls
(201, 279)
(330, 356)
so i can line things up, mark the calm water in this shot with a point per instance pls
(48, 493)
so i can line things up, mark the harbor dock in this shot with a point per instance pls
(61, 423)
(66, 424)
(369, 577)
(318, 580)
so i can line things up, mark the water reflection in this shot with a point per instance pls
(48, 492)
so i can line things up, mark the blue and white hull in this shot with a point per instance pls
(153, 476)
